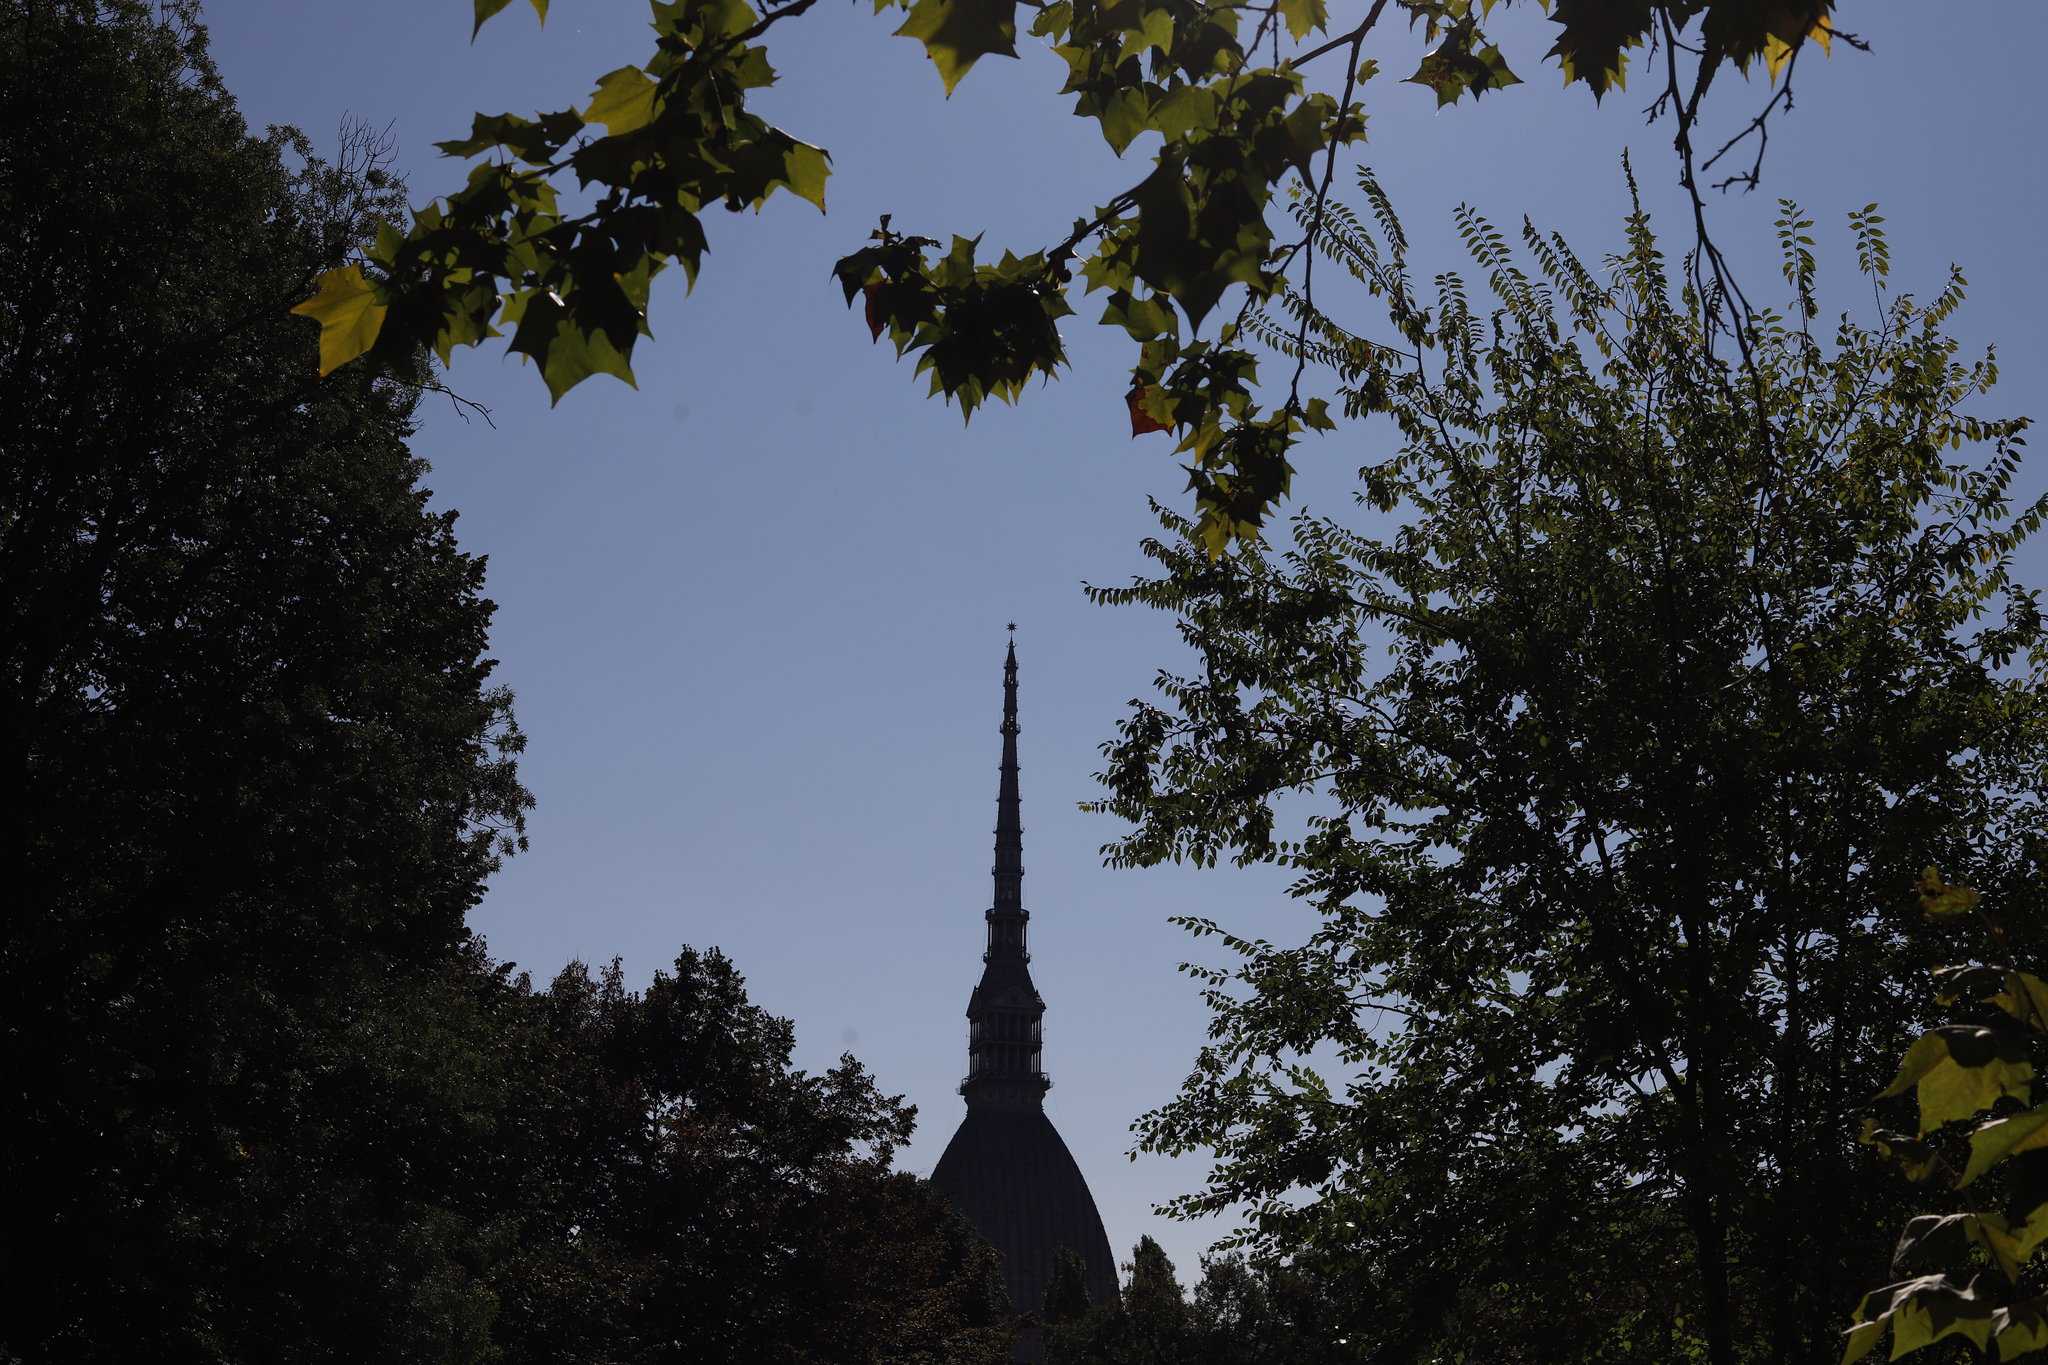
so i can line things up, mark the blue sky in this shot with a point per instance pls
(754, 610)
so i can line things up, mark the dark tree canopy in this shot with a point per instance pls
(267, 1100)
(691, 1187)
(1240, 1313)
(252, 774)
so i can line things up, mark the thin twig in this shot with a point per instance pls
(1315, 222)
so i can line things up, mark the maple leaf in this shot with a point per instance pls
(1142, 419)
(349, 316)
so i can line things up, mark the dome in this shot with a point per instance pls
(1010, 1173)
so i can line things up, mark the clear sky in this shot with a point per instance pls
(754, 611)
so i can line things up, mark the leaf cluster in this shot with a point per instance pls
(1234, 118)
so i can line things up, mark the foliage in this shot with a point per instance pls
(1066, 1296)
(1236, 121)
(1973, 1081)
(267, 1098)
(698, 1189)
(252, 772)
(1239, 1314)
(1613, 752)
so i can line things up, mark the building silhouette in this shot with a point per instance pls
(1006, 1168)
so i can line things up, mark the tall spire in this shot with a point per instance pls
(1009, 868)
(1005, 1014)
(1006, 1168)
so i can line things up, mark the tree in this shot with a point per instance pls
(1618, 749)
(1267, 1314)
(267, 1098)
(1147, 1324)
(1066, 1297)
(692, 1187)
(1236, 122)
(252, 771)
(1241, 1313)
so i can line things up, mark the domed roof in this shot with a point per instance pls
(1010, 1173)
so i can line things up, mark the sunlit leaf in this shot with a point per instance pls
(2021, 1327)
(1140, 400)
(349, 315)
(1919, 1312)
(958, 33)
(1962, 1069)
(1304, 16)
(1998, 1139)
(805, 169)
(1183, 110)
(623, 101)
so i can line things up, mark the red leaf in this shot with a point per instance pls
(1141, 420)
(876, 321)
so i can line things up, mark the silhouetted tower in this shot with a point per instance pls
(1006, 1167)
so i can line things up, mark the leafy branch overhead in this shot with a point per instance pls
(660, 143)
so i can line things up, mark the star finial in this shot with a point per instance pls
(1013, 627)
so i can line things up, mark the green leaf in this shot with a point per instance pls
(1917, 1159)
(1919, 1312)
(1154, 29)
(1595, 38)
(2020, 1328)
(1998, 1139)
(1960, 1070)
(622, 102)
(1939, 1240)
(2025, 998)
(2009, 1245)
(484, 10)
(1304, 16)
(531, 140)
(565, 353)
(1142, 318)
(1185, 109)
(804, 170)
(1861, 1338)
(1123, 117)
(958, 33)
(2022, 995)
(1940, 901)
(1456, 68)
(349, 315)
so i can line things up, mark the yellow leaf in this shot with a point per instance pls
(2025, 998)
(349, 316)
(2009, 1245)
(2021, 1328)
(804, 169)
(1993, 1142)
(1939, 900)
(622, 102)
(1861, 1338)
(1959, 1070)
